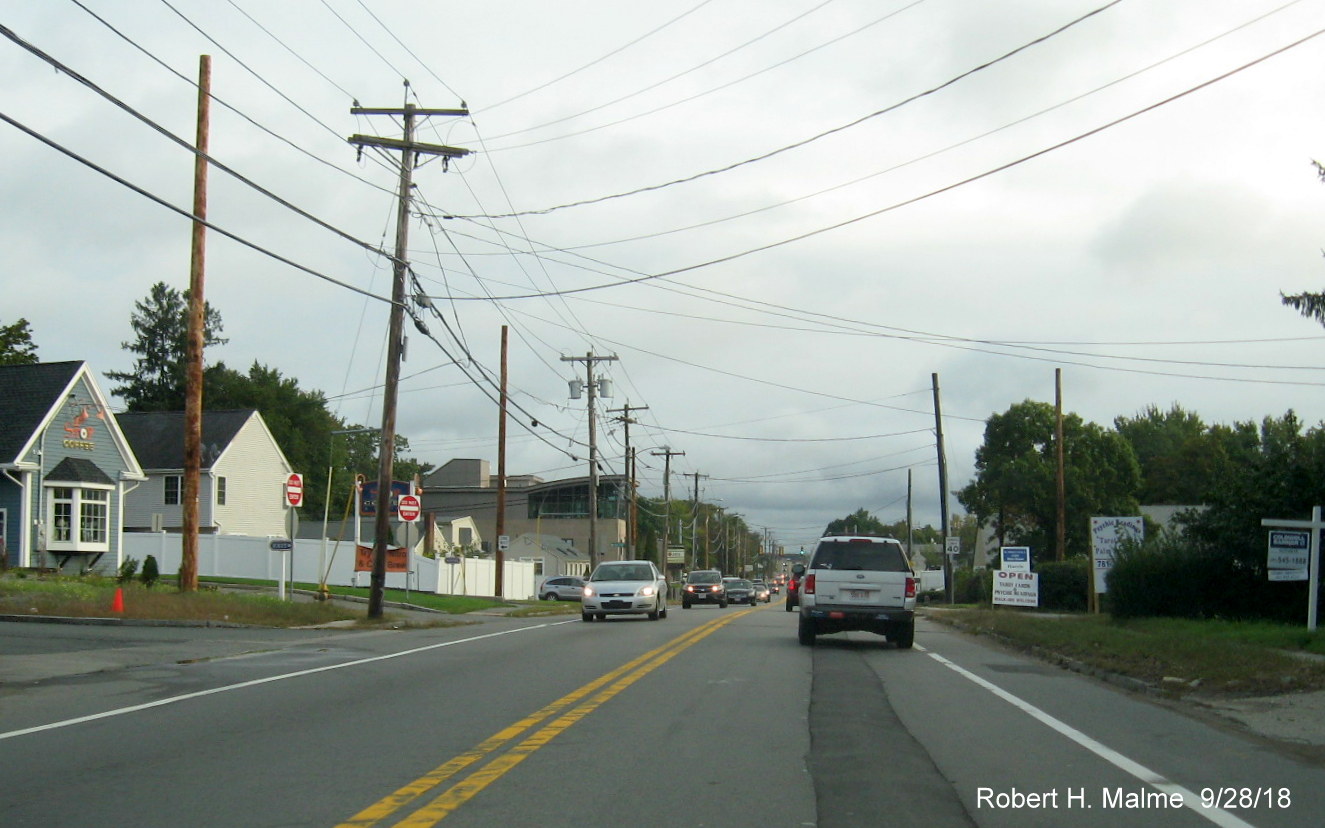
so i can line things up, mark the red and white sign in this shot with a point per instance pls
(294, 490)
(408, 508)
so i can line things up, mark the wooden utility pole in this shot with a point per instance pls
(501, 472)
(694, 520)
(943, 487)
(589, 359)
(632, 525)
(1060, 534)
(409, 151)
(667, 454)
(188, 566)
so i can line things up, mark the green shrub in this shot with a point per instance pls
(128, 569)
(1064, 584)
(1172, 576)
(973, 586)
(151, 573)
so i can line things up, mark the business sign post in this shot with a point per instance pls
(1017, 589)
(1015, 558)
(1106, 534)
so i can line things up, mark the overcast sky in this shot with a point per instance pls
(835, 201)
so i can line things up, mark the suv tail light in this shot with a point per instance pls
(807, 586)
(911, 587)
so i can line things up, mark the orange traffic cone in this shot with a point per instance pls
(117, 605)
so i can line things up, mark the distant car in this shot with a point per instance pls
(793, 593)
(624, 588)
(762, 591)
(562, 588)
(739, 591)
(703, 586)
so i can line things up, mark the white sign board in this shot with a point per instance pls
(1105, 535)
(953, 545)
(503, 542)
(1017, 589)
(1015, 558)
(1287, 560)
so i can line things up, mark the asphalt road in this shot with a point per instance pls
(710, 717)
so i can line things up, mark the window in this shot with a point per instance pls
(174, 484)
(62, 514)
(93, 516)
(220, 491)
(85, 510)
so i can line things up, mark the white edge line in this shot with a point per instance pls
(255, 682)
(1216, 815)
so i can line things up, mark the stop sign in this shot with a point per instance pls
(294, 490)
(408, 508)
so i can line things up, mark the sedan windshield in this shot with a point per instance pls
(624, 572)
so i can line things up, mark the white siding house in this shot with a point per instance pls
(242, 484)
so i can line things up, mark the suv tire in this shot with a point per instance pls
(905, 636)
(805, 631)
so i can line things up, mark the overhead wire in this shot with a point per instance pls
(821, 135)
(915, 199)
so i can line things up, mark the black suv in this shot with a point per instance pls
(703, 586)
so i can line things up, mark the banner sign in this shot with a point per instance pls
(1105, 535)
(396, 559)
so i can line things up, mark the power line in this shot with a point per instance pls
(185, 213)
(826, 133)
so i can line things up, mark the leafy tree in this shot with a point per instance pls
(16, 346)
(302, 426)
(1014, 488)
(1310, 305)
(1180, 457)
(161, 327)
(859, 522)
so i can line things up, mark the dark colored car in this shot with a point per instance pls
(793, 592)
(703, 586)
(740, 591)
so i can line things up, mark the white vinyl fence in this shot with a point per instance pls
(237, 556)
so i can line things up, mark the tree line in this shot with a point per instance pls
(299, 419)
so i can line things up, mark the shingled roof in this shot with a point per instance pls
(27, 395)
(157, 437)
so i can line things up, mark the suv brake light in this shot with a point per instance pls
(911, 587)
(807, 586)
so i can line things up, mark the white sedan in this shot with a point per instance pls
(624, 588)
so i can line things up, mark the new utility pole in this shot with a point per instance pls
(667, 454)
(409, 152)
(589, 359)
(943, 488)
(632, 524)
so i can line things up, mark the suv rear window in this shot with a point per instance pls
(871, 555)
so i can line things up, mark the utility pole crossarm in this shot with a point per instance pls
(413, 146)
(377, 110)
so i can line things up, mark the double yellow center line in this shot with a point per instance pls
(568, 710)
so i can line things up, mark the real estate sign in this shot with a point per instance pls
(1287, 559)
(1106, 533)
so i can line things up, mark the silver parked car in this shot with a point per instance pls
(562, 588)
(624, 588)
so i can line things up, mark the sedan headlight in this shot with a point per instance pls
(648, 590)
(588, 591)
